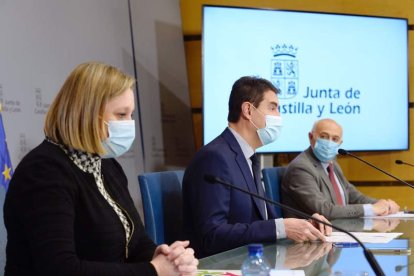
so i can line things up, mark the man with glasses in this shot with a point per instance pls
(314, 182)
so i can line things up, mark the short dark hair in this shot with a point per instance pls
(247, 89)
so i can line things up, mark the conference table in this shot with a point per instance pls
(319, 258)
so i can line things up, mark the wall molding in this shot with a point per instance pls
(380, 183)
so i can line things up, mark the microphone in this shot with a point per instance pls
(399, 162)
(398, 268)
(344, 152)
(368, 254)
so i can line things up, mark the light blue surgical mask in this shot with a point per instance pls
(272, 129)
(325, 150)
(121, 137)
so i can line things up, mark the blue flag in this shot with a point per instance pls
(6, 170)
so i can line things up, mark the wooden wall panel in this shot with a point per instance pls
(353, 169)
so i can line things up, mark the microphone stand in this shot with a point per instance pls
(344, 152)
(399, 162)
(398, 268)
(368, 254)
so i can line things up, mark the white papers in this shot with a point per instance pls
(396, 215)
(218, 272)
(365, 237)
(275, 272)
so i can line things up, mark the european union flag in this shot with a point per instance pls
(6, 170)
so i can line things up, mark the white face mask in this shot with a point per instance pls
(272, 129)
(121, 137)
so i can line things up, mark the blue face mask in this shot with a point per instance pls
(121, 137)
(325, 150)
(272, 129)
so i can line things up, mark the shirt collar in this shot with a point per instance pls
(247, 150)
(325, 165)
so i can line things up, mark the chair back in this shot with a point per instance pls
(272, 179)
(161, 194)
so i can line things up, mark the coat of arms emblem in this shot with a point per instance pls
(285, 70)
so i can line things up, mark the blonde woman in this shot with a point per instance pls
(68, 210)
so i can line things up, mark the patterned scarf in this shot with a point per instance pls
(91, 163)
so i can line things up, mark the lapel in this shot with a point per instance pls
(244, 168)
(321, 173)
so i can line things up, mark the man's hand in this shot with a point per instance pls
(303, 254)
(385, 225)
(301, 230)
(392, 206)
(381, 207)
(385, 207)
(324, 229)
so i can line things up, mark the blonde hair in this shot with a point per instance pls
(75, 116)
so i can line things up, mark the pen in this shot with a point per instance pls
(345, 244)
(396, 251)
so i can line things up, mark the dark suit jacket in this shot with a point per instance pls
(217, 218)
(58, 223)
(306, 186)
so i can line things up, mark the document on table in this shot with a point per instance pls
(396, 215)
(365, 237)
(215, 272)
(273, 272)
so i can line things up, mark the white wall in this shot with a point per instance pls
(41, 41)
(162, 84)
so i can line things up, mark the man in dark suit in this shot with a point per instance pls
(314, 182)
(217, 218)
